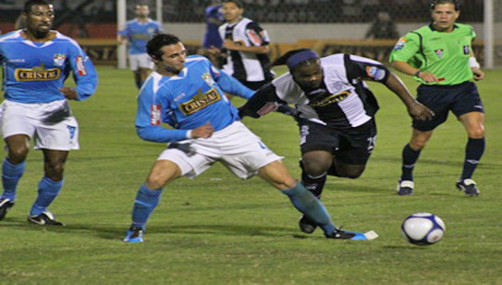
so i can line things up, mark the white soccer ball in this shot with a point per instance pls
(423, 229)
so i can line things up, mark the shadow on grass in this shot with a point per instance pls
(117, 232)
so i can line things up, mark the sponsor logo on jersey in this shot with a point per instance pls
(200, 101)
(59, 59)
(375, 72)
(155, 115)
(37, 73)
(208, 78)
(439, 53)
(400, 44)
(80, 66)
(334, 98)
(140, 37)
(466, 50)
(17, 60)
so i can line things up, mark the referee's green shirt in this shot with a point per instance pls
(446, 55)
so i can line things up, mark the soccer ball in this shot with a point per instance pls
(423, 229)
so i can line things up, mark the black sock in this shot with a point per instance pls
(410, 157)
(473, 152)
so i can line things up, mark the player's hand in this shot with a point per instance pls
(229, 44)
(69, 93)
(428, 77)
(478, 74)
(420, 112)
(205, 131)
(213, 50)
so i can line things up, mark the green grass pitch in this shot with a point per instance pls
(218, 229)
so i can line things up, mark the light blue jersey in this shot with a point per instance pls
(33, 72)
(138, 34)
(187, 101)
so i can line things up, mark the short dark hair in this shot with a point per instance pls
(30, 3)
(456, 3)
(157, 42)
(237, 3)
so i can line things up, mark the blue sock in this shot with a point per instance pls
(310, 206)
(48, 190)
(473, 152)
(145, 203)
(11, 173)
(410, 157)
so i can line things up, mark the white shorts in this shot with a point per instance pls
(142, 60)
(28, 119)
(241, 151)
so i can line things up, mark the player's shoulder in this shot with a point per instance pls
(152, 84)
(245, 22)
(334, 59)
(11, 36)
(464, 28)
(196, 59)
(62, 38)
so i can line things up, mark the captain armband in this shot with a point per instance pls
(473, 63)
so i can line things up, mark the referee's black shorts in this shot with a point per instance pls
(460, 99)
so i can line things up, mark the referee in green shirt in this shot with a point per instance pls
(440, 57)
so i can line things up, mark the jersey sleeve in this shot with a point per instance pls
(406, 47)
(256, 35)
(149, 118)
(229, 84)
(264, 101)
(366, 69)
(84, 73)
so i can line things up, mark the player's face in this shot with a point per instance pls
(308, 76)
(142, 11)
(173, 58)
(231, 12)
(444, 17)
(39, 20)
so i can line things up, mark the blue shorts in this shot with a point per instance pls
(460, 99)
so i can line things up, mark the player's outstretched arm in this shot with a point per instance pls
(416, 109)
(264, 101)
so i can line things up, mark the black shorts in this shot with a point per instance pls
(460, 99)
(349, 146)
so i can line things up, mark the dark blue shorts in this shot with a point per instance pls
(460, 99)
(349, 146)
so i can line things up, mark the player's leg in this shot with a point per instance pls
(315, 165)
(49, 187)
(148, 196)
(304, 201)
(145, 67)
(13, 169)
(134, 62)
(473, 123)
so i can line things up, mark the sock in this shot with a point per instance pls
(310, 206)
(48, 190)
(11, 173)
(473, 152)
(410, 157)
(314, 184)
(145, 203)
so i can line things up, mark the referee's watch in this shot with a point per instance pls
(418, 74)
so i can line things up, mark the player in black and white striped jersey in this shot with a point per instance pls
(245, 49)
(336, 112)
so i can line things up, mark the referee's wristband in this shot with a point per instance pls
(417, 74)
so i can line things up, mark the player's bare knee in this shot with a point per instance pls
(314, 168)
(156, 181)
(17, 154)
(417, 145)
(54, 171)
(477, 133)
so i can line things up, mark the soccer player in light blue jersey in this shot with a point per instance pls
(137, 32)
(37, 61)
(188, 94)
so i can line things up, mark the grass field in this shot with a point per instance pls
(218, 229)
